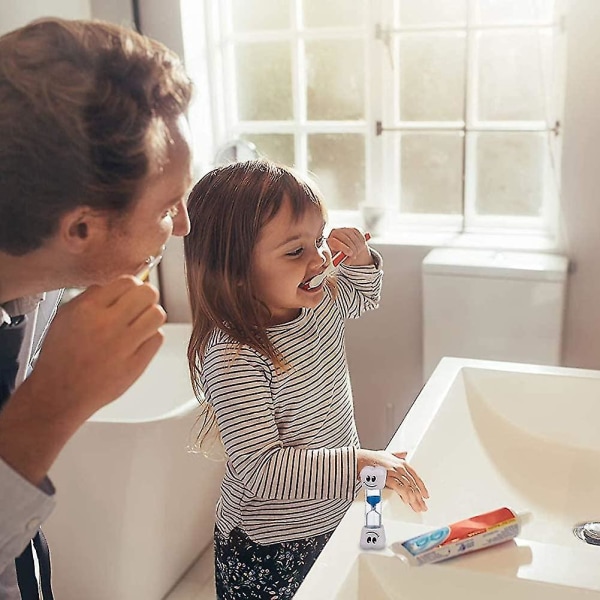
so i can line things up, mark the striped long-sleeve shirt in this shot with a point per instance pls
(290, 435)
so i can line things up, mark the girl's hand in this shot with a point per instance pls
(401, 477)
(352, 243)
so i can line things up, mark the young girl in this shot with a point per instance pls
(268, 357)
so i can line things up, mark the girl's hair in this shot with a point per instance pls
(228, 208)
(84, 106)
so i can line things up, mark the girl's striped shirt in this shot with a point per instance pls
(290, 436)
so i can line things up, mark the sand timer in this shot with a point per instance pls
(373, 534)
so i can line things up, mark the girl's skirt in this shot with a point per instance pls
(246, 570)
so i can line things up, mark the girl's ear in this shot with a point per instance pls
(81, 228)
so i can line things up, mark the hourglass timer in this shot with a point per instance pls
(372, 536)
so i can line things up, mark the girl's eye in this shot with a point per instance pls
(297, 252)
(320, 241)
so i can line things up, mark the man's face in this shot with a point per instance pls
(158, 213)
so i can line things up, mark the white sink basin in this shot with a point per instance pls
(382, 577)
(484, 435)
(525, 440)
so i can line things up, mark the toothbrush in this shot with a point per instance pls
(150, 263)
(337, 260)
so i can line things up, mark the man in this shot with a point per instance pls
(95, 164)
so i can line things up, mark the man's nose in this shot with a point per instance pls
(181, 223)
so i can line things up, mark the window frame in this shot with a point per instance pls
(382, 151)
(470, 222)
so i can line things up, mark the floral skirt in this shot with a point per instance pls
(247, 570)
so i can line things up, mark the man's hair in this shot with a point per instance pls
(82, 107)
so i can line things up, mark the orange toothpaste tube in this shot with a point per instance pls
(475, 533)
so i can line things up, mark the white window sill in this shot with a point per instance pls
(395, 234)
(537, 243)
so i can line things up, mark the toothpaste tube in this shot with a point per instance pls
(459, 538)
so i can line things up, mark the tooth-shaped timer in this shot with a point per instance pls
(372, 536)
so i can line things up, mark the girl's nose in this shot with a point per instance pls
(320, 257)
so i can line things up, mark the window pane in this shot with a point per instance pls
(433, 12)
(277, 147)
(511, 76)
(334, 13)
(510, 173)
(431, 173)
(432, 77)
(252, 15)
(264, 82)
(335, 80)
(514, 11)
(338, 164)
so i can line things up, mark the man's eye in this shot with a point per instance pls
(171, 212)
(297, 252)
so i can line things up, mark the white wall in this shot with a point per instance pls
(16, 13)
(162, 20)
(115, 11)
(581, 185)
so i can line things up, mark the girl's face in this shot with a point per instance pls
(287, 253)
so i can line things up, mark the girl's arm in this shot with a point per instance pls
(360, 276)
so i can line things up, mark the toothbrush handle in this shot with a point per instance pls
(340, 257)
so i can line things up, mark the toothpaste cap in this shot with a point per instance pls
(524, 517)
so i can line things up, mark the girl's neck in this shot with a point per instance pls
(284, 318)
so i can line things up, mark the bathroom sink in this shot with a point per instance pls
(523, 439)
(483, 435)
(381, 577)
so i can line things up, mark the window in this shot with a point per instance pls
(446, 113)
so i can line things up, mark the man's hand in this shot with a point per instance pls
(96, 347)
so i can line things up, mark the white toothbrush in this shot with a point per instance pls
(150, 263)
(337, 260)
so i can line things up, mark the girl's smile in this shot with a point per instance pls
(288, 253)
(311, 290)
